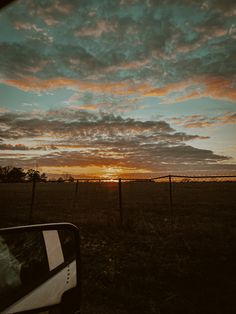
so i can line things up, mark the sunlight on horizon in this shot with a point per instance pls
(118, 88)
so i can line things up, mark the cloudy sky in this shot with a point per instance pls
(119, 87)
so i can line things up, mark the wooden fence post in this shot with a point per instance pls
(32, 201)
(171, 203)
(120, 202)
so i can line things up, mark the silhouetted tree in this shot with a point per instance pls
(3, 173)
(16, 175)
(60, 180)
(71, 179)
(43, 177)
(12, 174)
(35, 175)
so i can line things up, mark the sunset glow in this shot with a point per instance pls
(123, 88)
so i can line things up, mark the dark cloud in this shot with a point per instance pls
(17, 60)
(106, 140)
(83, 126)
(179, 39)
(227, 6)
(80, 126)
(151, 158)
(13, 147)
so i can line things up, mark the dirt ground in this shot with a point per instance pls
(161, 260)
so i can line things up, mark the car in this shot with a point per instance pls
(40, 269)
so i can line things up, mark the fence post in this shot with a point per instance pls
(32, 201)
(120, 202)
(76, 193)
(171, 203)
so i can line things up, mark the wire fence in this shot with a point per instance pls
(122, 200)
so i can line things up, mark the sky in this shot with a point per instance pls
(121, 88)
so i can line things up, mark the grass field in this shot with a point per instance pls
(147, 265)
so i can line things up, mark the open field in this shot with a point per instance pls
(147, 265)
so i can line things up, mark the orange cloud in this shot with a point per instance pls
(202, 86)
(33, 84)
(85, 107)
(199, 124)
(215, 87)
(127, 66)
(116, 88)
(228, 119)
(13, 147)
(192, 95)
(165, 90)
(221, 88)
(69, 146)
(201, 121)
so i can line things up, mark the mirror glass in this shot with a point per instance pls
(28, 259)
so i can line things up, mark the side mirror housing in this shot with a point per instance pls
(40, 268)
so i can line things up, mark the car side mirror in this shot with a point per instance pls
(39, 269)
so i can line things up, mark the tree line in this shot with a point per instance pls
(15, 174)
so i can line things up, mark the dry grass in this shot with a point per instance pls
(144, 266)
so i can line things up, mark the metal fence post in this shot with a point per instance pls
(120, 202)
(32, 201)
(76, 193)
(171, 203)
